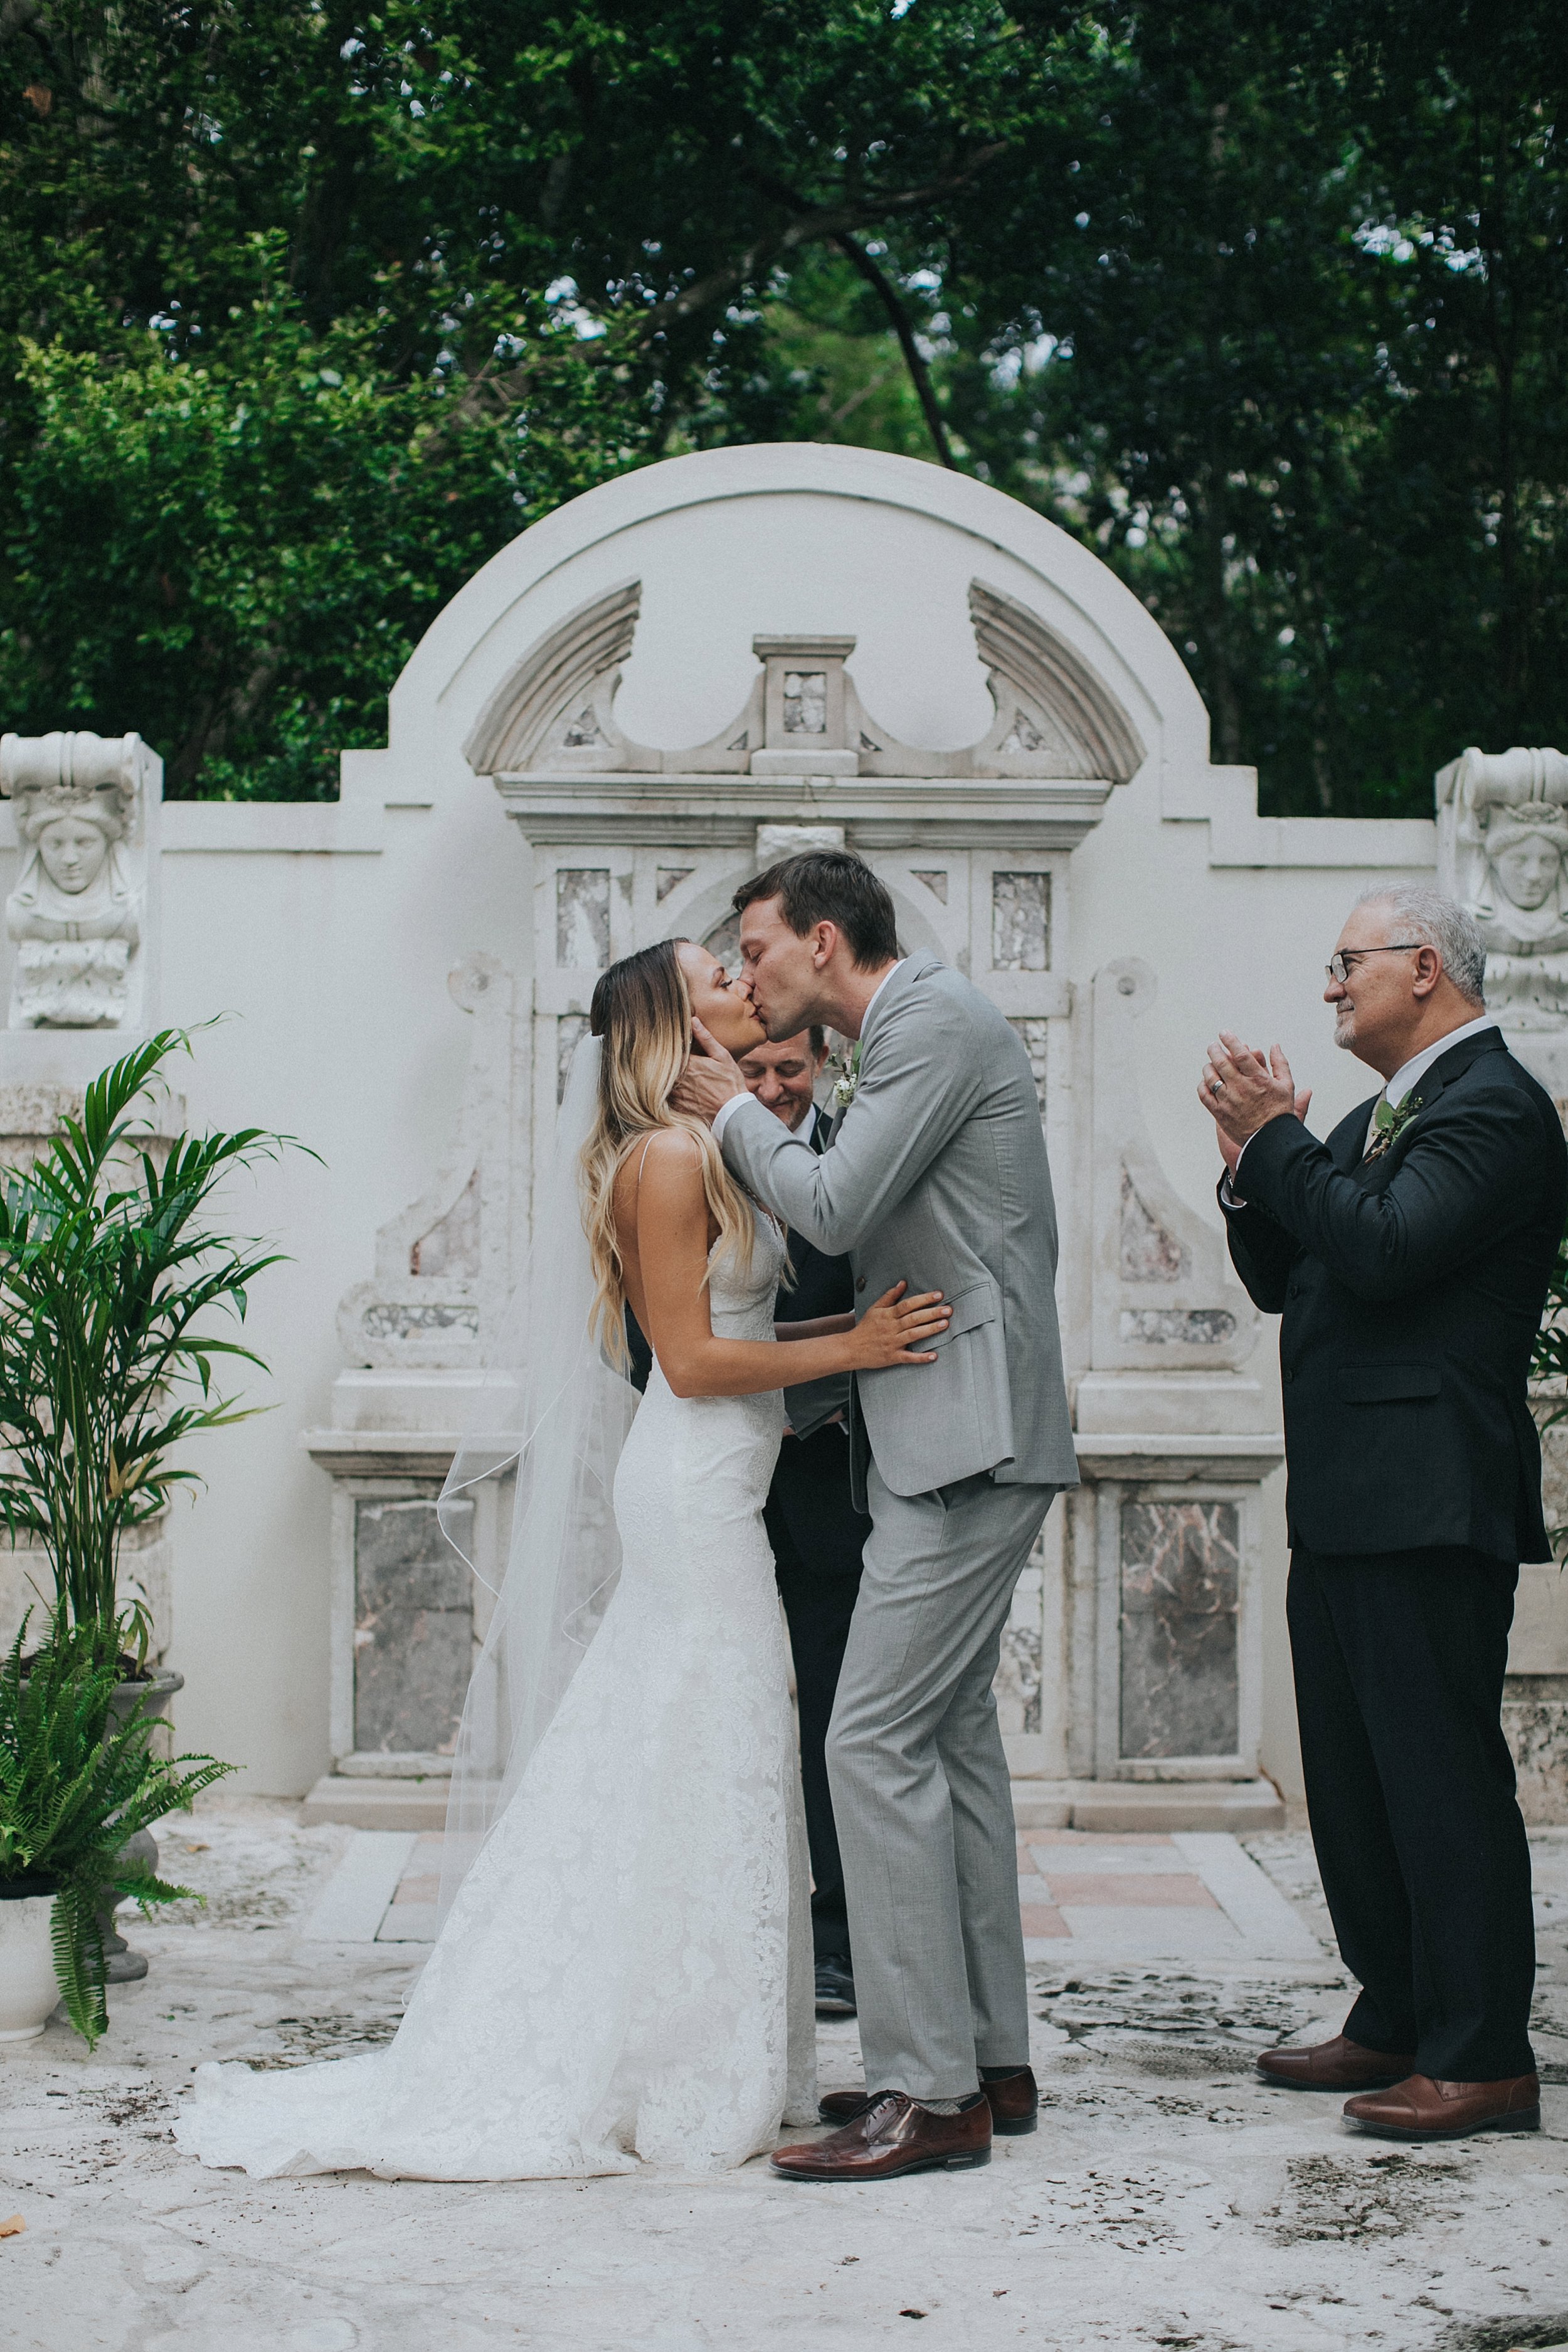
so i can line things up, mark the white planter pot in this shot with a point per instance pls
(27, 1988)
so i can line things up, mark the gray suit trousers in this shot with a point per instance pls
(921, 1789)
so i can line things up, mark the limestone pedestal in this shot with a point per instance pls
(407, 1615)
(1535, 1694)
(1165, 1658)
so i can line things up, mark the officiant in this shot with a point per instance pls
(815, 1531)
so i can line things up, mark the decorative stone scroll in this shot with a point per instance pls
(77, 913)
(554, 711)
(1164, 1293)
(443, 1267)
(1502, 850)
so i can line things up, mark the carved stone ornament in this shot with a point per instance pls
(442, 1267)
(554, 711)
(1502, 850)
(1164, 1295)
(77, 911)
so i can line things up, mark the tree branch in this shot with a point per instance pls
(903, 327)
(812, 224)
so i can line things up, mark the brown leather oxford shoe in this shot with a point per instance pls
(1013, 2099)
(1336, 2065)
(892, 2136)
(1421, 2108)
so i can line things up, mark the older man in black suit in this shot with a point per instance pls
(1408, 1256)
(816, 1532)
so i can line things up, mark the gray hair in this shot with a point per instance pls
(1431, 918)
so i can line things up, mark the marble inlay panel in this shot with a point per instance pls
(1535, 1720)
(805, 702)
(1020, 922)
(1019, 1672)
(1177, 1326)
(582, 916)
(1149, 1253)
(414, 1627)
(670, 878)
(936, 882)
(1034, 1035)
(1180, 1591)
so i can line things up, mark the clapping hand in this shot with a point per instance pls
(1242, 1089)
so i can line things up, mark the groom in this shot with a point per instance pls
(937, 1172)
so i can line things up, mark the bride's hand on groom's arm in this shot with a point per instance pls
(893, 1331)
(709, 1079)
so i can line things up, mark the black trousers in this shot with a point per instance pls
(817, 1536)
(1399, 1661)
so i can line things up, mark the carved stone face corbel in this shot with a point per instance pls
(1502, 850)
(78, 911)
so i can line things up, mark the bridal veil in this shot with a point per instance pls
(543, 1443)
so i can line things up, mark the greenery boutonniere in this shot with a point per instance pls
(846, 1083)
(1391, 1120)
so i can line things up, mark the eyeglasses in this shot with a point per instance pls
(1339, 966)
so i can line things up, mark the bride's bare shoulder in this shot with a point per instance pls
(664, 1167)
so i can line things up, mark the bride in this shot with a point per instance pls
(624, 1969)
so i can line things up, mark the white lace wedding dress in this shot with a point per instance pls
(626, 1972)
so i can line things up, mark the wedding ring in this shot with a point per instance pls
(1217, 1086)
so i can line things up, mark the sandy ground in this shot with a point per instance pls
(1170, 2198)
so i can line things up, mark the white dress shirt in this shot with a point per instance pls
(1408, 1075)
(725, 1109)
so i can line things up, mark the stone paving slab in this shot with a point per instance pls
(1170, 2198)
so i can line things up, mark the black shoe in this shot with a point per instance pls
(835, 1986)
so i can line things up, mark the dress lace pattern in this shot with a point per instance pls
(626, 1973)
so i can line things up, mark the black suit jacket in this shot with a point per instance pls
(1411, 1288)
(823, 1286)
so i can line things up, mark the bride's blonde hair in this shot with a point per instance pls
(643, 1013)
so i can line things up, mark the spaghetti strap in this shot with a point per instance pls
(646, 1149)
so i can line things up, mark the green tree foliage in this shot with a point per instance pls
(306, 310)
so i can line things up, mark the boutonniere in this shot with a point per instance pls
(1391, 1120)
(847, 1078)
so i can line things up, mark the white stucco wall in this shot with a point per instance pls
(327, 934)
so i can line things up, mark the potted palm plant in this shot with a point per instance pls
(78, 1783)
(111, 1271)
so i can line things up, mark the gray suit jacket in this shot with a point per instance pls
(936, 1175)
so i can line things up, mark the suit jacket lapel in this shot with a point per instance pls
(1347, 1144)
(1426, 1090)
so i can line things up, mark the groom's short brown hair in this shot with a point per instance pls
(829, 886)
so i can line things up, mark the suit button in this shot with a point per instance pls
(860, 1283)
(1290, 1376)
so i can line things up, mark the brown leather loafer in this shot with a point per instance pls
(1013, 2099)
(1336, 2065)
(893, 2136)
(1421, 2108)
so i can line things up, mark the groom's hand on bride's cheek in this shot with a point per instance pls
(710, 1077)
